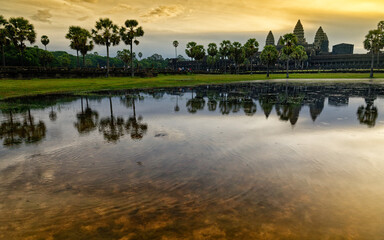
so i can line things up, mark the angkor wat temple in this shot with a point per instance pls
(320, 57)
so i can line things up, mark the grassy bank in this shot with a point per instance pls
(16, 88)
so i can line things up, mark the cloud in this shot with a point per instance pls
(164, 12)
(83, 18)
(119, 8)
(42, 16)
(81, 1)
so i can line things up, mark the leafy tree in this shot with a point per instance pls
(225, 51)
(106, 33)
(299, 55)
(140, 55)
(175, 44)
(45, 41)
(3, 37)
(380, 27)
(199, 52)
(129, 36)
(269, 56)
(125, 56)
(75, 35)
(190, 49)
(64, 60)
(237, 54)
(289, 42)
(46, 57)
(251, 47)
(21, 31)
(372, 43)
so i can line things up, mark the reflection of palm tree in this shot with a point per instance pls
(111, 127)
(249, 107)
(33, 132)
(196, 103)
(177, 108)
(52, 115)
(266, 103)
(134, 126)
(11, 131)
(368, 115)
(86, 120)
(212, 105)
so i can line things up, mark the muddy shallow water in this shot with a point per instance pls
(241, 161)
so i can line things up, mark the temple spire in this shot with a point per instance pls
(270, 39)
(299, 32)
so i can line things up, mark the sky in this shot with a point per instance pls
(344, 21)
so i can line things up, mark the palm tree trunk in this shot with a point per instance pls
(268, 70)
(288, 68)
(132, 67)
(3, 55)
(21, 57)
(378, 56)
(45, 47)
(77, 54)
(110, 107)
(373, 57)
(83, 60)
(107, 61)
(251, 66)
(176, 52)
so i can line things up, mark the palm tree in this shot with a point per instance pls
(372, 43)
(125, 56)
(75, 35)
(190, 49)
(299, 55)
(225, 52)
(21, 31)
(140, 55)
(45, 41)
(380, 27)
(3, 37)
(175, 44)
(106, 33)
(199, 53)
(212, 52)
(85, 45)
(269, 56)
(237, 54)
(251, 47)
(129, 36)
(289, 41)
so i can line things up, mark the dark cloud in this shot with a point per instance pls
(164, 11)
(42, 16)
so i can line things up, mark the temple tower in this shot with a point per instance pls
(321, 41)
(299, 32)
(270, 39)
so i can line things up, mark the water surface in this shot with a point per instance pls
(241, 161)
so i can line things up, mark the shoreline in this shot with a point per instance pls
(10, 88)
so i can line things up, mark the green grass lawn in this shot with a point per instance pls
(16, 88)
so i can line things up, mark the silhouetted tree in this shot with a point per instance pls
(373, 42)
(289, 42)
(175, 44)
(129, 36)
(269, 56)
(4, 40)
(225, 52)
(237, 54)
(45, 41)
(251, 47)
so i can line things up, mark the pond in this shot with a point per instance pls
(266, 160)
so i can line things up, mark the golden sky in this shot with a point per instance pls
(202, 21)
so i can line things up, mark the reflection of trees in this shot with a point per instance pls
(86, 120)
(177, 108)
(134, 126)
(195, 103)
(11, 131)
(368, 114)
(112, 127)
(32, 132)
(289, 108)
(212, 104)
(249, 106)
(52, 115)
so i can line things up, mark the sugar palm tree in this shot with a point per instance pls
(129, 35)
(190, 50)
(75, 34)
(45, 41)
(299, 55)
(251, 47)
(175, 44)
(225, 52)
(21, 31)
(289, 42)
(237, 54)
(269, 56)
(125, 56)
(372, 43)
(3, 37)
(212, 52)
(85, 45)
(380, 27)
(199, 53)
(106, 34)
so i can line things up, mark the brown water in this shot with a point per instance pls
(245, 161)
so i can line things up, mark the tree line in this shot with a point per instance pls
(239, 54)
